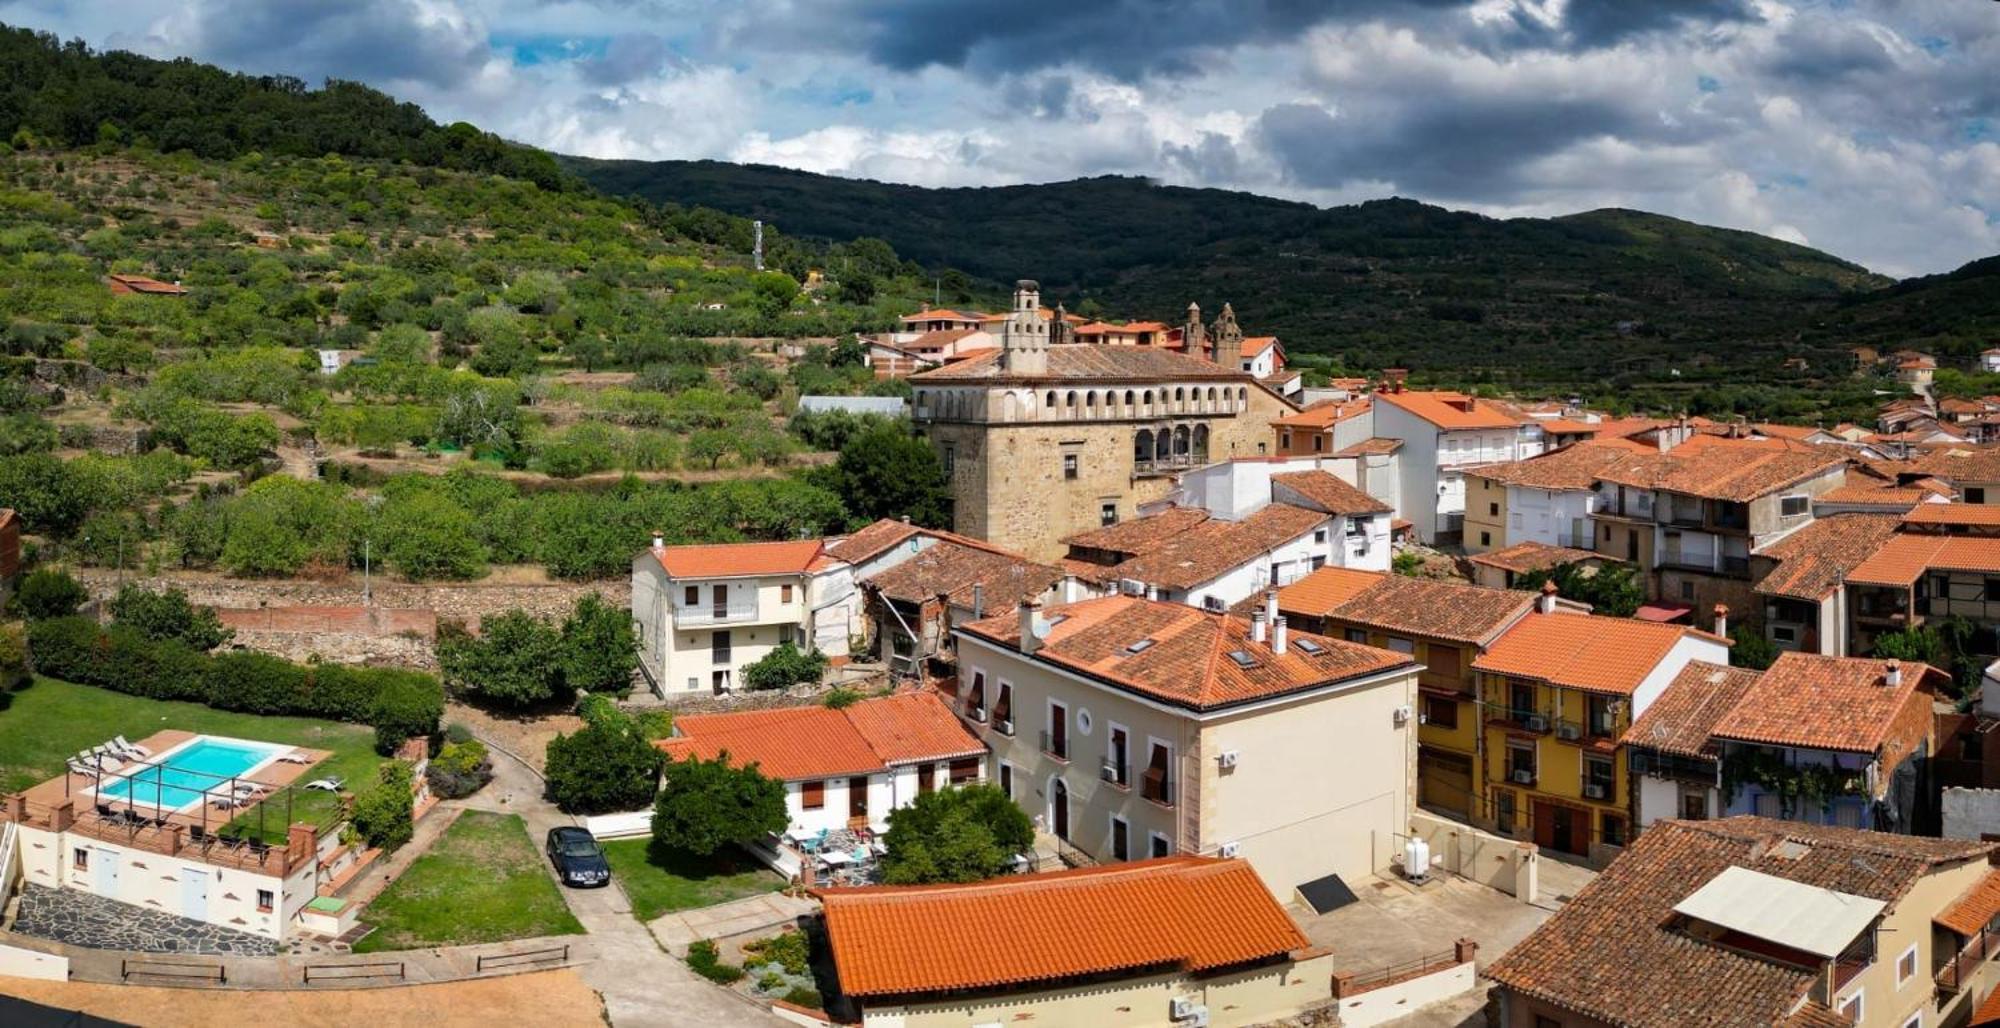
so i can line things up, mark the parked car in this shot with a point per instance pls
(578, 860)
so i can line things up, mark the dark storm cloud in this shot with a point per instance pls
(364, 40)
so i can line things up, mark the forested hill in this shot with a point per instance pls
(1600, 299)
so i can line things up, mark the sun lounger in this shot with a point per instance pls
(329, 784)
(296, 757)
(136, 751)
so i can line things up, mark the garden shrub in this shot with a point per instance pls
(805, 997)
(704, 960)
(789, 950)
(460, 769)
(382, 815)
(49, 593)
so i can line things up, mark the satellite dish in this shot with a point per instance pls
(1040, 628)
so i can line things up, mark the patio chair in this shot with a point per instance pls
(136, 751)
(104, 811)
(296, 757)
(81, 768)
(331, 783)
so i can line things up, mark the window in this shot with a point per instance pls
(1069, 465)
(1007, 780)
(1694, 806)
(1319, 537)
(1157, 845)
(1975, 495)
(79, 858)
(1992, 589)
(964, 770)
(719, 648)
(950, 458)
(1598, 778)
(1155, 784)
(1107, 514)
(785, 593)
(926, 778)
(975, 698)
(1687, 590)
(1547, 1022)
(265, 901)
(1611, 830)
(1003, 709)
(1794, 506)
(1521, 763)
(1401, 645)
(1121, 843)
(1117, 747)
(1055, 738)
(1440, 711)
(1906, 965)
(1493, 510)
(1443, 660)
(692, 596)
(1285, 440)
(1485, 538)
(1853, 1007)
(1319, 443)
(812, 795)
(1355, 635)
(1503, 810)
(1602, 720)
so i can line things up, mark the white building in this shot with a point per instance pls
(1443, 434)
(703, 613)
(846, 768)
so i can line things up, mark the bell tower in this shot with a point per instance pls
(1024, 339)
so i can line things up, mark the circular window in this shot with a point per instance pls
(1083, 722)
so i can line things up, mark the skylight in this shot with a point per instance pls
(1309, 646)
(1140, 647)
(1242, 658)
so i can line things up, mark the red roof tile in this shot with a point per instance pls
(1816, 559)
(1186, 914)
(953, 568)
(1954, 514)
(1450, 410)
(1581, 651)
(794, 743)
(1827, 703)
(1377, 447)
(1331, 494)
(1211, 549)
(1682, 720)
(1904, 558)
(1534, 556)
(1976, 909)
(1427, 607)
(730, 560)
(873, 540)
(1325, 415)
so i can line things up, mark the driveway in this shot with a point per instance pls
(642, 985)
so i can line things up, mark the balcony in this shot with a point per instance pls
(1694, 770)
(1957, 975)
(1159, 466)
(1520, 719)
(708, 614)
(1054, 745)
(1114, 774)
(1155, 788)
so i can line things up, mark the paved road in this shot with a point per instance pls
(641, 984)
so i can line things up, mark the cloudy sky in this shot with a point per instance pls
(1869, 128)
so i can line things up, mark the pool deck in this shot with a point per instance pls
(273, 776)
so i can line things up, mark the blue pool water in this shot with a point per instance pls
(178, 779)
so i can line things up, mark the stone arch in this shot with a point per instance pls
(1243, 395)
(1200, 442)
(1128, 399)
(1181, 442)
(1010, 406)
(1070, 401)
(1163, 444)
(1142, 445)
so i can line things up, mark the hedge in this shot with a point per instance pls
(397, 703)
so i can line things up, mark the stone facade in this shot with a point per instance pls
(80, 919)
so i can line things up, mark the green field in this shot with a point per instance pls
(482, 882)
(661, 883)
(51, 720)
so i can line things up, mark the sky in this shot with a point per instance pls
(1867, 128)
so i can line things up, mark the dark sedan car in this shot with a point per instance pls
(577, 859)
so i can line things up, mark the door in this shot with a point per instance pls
(1059, 809)
(857, 797)
(194, 893)
(926, 778)
(106, 862)
(1562, 828)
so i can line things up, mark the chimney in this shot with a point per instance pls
(659, 540)
(1722, 619)
(978, 600)
(1547, 603)
(1071, 591)
(1278, 637)
(1893, 677)
(1028, 611)
(1257, 626)
(1271, 606)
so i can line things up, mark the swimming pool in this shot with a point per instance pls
(178, 777)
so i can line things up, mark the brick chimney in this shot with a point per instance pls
(1546, 603)
(1397, 378)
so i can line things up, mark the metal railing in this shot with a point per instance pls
(1054, 745)
(1953, 977)
(547, 954)
(1525, 718)
(1157, 790)
(1350, 985)
(712, 615)
(173, 969)
(330, 972)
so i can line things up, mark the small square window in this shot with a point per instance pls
(1485, 538)
(266, 899)
(785, 593)
(1687, 590)
(1493, 509)
(812, 795)
(79, 858)
(1158, 846)
(1794, 506)
(1107, 514)
(1906, 965)
(1069, 465)
(1975, 495)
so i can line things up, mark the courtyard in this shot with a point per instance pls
(483, 881)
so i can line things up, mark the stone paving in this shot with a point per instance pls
(82, 919)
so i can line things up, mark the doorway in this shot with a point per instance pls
(1059, 809)
(194, 893)
(106, 862)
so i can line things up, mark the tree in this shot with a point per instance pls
(1614, 588)
(711, 445)
(14, 662)
(47, 593)
(120, 353)
(785, 666)
(382, 815)
(599, 648)
(161, 616)
(1750, 649)
(423, 534)
(513, 660)
(884, 471)
(605, 767)
(1920, 645)
(955, 835)
(705, 805)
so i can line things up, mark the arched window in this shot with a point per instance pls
(1149, 398)
(1201, 444)
(1180, 395)
(1142, 446)
(1090, 400)
(1181, 441)
(1050, 401)
(1211, 397)
(1243, 395)
(1128, 397)
(1072, 400)
(1163, 446)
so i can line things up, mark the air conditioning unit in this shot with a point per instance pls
(1402, 715)
(1226, 759)
(1108, 771)
(1226, 850)
(1183, 1007)
(1536, 723)
(1005, 726)
(977, 714)
(1593, 791)
(1522, 777)
(1569, 731)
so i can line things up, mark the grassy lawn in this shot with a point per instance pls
(482, 882)
(663, 882)
(51, 720)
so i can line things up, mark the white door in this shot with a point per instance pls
(194, 893)
(106, 862)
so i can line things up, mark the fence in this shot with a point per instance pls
(332, 972)
(1386, 994)
(173, 969)
(550, 954)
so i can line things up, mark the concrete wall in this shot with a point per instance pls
(143, 878)
(1401, 999)
(1240, 998)
(1293, 559)
(1418, 467)
(1508, 865)
(16, 962)
(1971, 813)
(1890, 1003)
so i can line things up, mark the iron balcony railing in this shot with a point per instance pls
(1054, 745)
(709, 614)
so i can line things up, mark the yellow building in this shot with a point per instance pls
(1445, 626)
(1556, 692)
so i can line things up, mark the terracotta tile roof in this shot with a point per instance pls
(1377, 447)
(1816, 559)
(143, 284)
(1570, 468)
(1961, 464)
(1828, 703)
(1954, 514)
(1450, 410)
(1683, 718)
(1988, 1013)
(1331, 494)
(1873, 494)
(726, 560)
(1142, 534)
(1253, 346)
(1581, 651)
(1568, 426)
(1533, 556)
(1428, 607)
(1324, 415)
(1189, 662)
(942, 314)
(1213, 548)
(1905, 557)
(795, 743)
(1708, 441)
(1722, 472)
(939, 339)
(1322, 591)
(1800, 433)
(873, 540)
(951, 567)
(1090, 361)
(1616, 953)
(1976, 909)
(1186, 914)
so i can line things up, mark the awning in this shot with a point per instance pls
(1664, 613)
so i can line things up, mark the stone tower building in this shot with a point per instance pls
(1042, 441)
